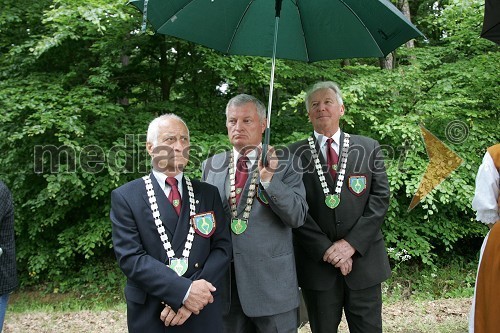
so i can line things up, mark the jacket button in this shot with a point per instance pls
(196, 265)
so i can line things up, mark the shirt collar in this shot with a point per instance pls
(252, 156)
(322, 139)
(161, 178)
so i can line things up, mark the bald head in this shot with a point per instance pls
(168, 144)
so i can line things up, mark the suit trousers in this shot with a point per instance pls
(237, 322)
(362, 308)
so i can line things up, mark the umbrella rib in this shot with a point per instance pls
(174, 14)
(363, 24)
(238, 26)
(302, 26)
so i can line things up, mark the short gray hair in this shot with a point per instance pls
(243, 99)
(154, 126)
(324, 85)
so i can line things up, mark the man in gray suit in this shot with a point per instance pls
(263, 205)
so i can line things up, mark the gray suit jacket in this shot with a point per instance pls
(263, 255)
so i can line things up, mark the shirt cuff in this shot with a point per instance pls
(265, 185)
(187, 295)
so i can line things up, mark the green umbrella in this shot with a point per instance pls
(309, 30)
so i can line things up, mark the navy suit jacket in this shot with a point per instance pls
(357, 219)
(143, 259)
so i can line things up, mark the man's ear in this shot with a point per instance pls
(149, 148)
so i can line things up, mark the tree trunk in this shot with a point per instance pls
(165, 85)
(124, 99)
(124, 85)
(404, 6)
(387, 62)
(345, 63)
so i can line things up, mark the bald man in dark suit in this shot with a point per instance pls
(171, 240)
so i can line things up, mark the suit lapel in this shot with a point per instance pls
(305, 153)
(184, 221)
(244, 195)
(221, 180)
(349, 164)
(167, 212)
(324, 165)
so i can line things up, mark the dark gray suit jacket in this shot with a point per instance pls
(263, 255)
(358, 219)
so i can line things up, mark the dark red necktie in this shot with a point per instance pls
(241, 176)
(332, 158)
(174, 197)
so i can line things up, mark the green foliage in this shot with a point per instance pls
(452, 277)
(79, 84)
(100, 287)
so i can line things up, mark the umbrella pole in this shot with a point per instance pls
(267, 132)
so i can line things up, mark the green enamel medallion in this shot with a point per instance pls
(178, 265)
(239, 226)
(332, 200)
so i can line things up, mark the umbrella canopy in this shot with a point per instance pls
(309, 31)
(491, 24)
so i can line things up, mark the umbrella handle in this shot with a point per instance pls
(265, 145)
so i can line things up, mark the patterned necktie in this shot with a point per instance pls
(174, 197)
(332, 158)
(241, 176)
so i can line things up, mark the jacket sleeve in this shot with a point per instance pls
(312, 239)
(147, 272)
(369, 225)
(286, 192)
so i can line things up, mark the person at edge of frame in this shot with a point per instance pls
(8, 272)
(483, 316)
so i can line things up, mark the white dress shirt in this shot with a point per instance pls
(485, 201)
(161, 178)
(252, 159)
(322, 142)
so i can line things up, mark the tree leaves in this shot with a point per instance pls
(79, 84)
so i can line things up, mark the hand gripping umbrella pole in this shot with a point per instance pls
(267, 132)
